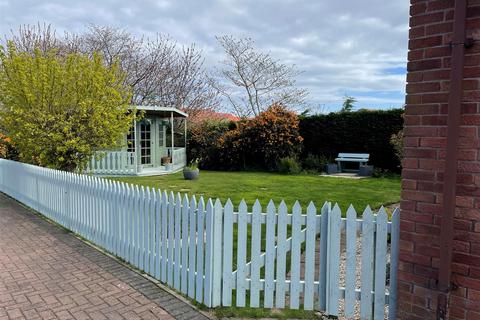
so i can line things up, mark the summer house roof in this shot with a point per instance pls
(161, 111)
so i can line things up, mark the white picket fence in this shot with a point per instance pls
(220, 256)
(113, 163)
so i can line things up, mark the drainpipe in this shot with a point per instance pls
(450, 171)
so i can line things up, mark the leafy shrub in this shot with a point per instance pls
(202, 142)
(383, 173)
(272, 135)
(59, 110)
(363, 131)
(315, 163)
(396, 140)
(288, 165)
(252, 144)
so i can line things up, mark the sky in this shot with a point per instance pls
(354, 47)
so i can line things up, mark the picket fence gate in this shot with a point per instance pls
(221, 257)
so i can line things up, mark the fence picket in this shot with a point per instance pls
(141, 228)
(310, 256)
(200, 251)
(153, 231)
(368, 230)
(104, 217)
(165, 256)
(185, 218)
(241, 253)
(217, 254)
(269, 256)
(137, 213)
(209, 221)
(123, 220)
(227, 253)
(192, 242)
(144, 230)
(333, 260)
(178, 235)
(190, 245)
(295, 257)
(380, 263)
(255, 255)
(350, 263)
(281, 255)
(129, 223)
(171, 226)
(394, 249)
(158, 234)
(322, 277)
(108, 204)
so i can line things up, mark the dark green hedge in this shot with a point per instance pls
(355, 132)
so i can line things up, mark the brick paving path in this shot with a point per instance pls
(47, 273)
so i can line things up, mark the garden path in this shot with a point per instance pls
(48, 273)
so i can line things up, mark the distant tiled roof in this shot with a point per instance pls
(212, 115)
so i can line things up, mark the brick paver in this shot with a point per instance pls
(47, 273)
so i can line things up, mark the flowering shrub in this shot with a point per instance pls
(272, 135)
(257, 143)
(7, 150)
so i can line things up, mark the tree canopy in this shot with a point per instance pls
(159, 71)
(251, 80)
(348, 104)
(59, 109)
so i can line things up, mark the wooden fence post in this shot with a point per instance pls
(322, 289)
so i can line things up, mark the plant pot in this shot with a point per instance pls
(191, 174)
(331, 168)
(166, 160)
(365, 171)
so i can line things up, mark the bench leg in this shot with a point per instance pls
(339, 164)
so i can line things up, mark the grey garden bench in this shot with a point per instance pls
(361, 158)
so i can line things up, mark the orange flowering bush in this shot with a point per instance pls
(272, 135)
(7, 150)
(259, 143)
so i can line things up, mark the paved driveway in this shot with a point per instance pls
(47, 273)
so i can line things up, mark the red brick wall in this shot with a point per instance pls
(431, 27)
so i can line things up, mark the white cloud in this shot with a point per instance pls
(343, 46)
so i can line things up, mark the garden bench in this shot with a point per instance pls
(361, 158)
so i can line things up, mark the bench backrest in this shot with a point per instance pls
(354, 155)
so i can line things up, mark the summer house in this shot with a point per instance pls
(155, 145)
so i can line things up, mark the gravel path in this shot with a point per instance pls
(357, 278)
(342, 273)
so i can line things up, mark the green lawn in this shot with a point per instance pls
(265, 186)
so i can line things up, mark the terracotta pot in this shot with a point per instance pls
(166, 160)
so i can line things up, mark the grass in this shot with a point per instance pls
(265, 186)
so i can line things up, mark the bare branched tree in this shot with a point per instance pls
(43, 37)
(159, 71)
(253, 80)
